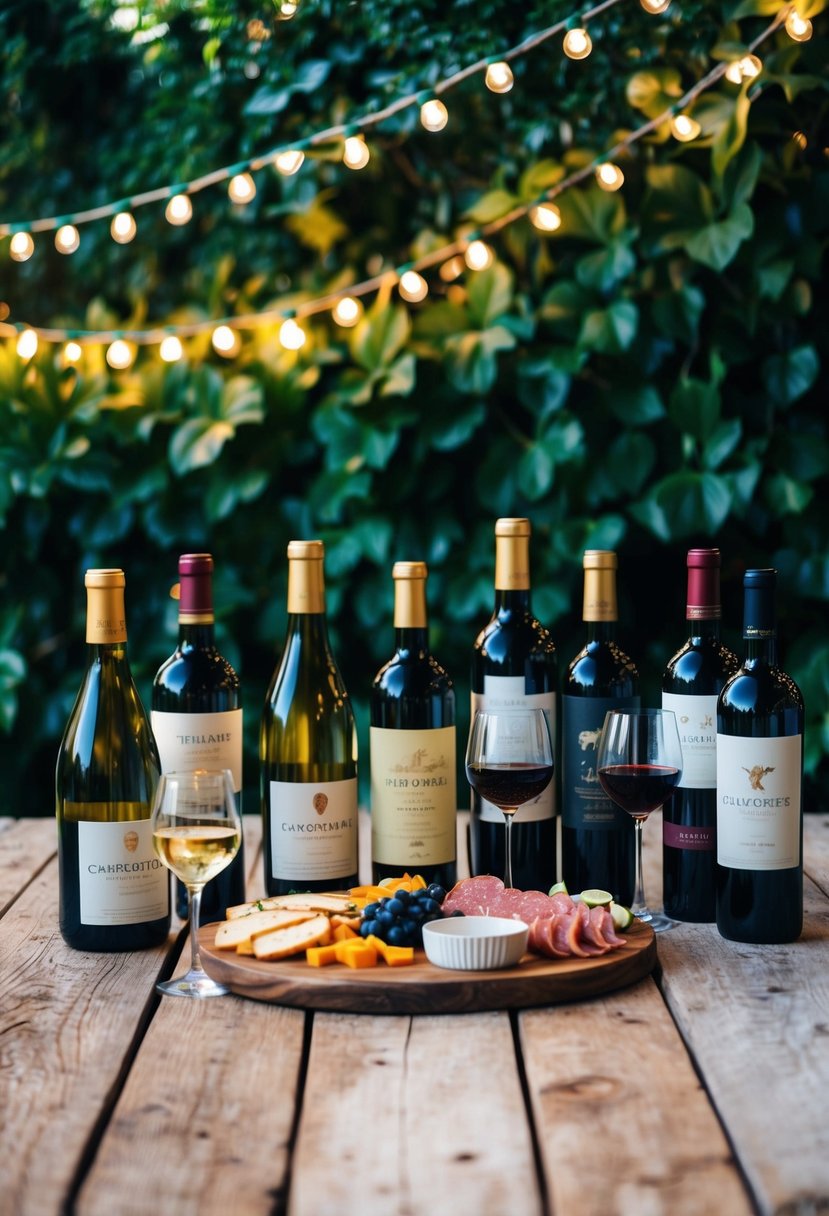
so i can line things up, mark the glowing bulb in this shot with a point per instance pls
(800, 139)
(171, 349)
(72, 352)
(67, 238)
(27, 344)
(413, 287)
(242, 188)
(451, 270)
(434, 115)
(355, 153)
(546, 217)
(499, 78)
(733, 72)
(291, 335)
(225, 341)
(179, 210)
(654, 6)
(21, 247)
(347, 311)
(610, 177)
(123, 228)
(119, 355)
(684, 128)
(797, 27)
(478, 255)
(287, 9)
(289, 161)
(577, 44)
(746, 68)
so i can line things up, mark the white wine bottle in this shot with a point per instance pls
(308, 748)
(113, 890)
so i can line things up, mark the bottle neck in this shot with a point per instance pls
(508, 602)
(761, 650)
(600, 631)
(411, 640)
(308, 628)
(704, 629)
(196, 635)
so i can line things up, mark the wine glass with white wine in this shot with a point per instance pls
(196, 832)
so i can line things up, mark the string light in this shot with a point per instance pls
(21, 247)
(171, 349)
(179, 210)
(654, 6)
(413, 287)
(242, 188)
(290, 161)
(67, 238)
(355, 152)
(119, 355)
(546, 217)
(747, 68)
(684, 128)
(499, 78)
(577, 44)
(72, 352)
(27, 344)
(291, 335)
(797, 27)
(610, 177)
(123, 227)
(434, 115)
(478, 255)
(452, 269)
(287, 9)
(347, 311)
(226, 341)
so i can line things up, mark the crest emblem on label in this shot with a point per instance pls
(320, 803)
(131, 841)
(756, 775)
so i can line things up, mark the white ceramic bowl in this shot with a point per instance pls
(475, 943)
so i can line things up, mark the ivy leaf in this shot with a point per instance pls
(654, 90)
(729, 139)
(694, 408)
(536, 470)
(676, 204)
(538, 178)
(717, 244)
(471, 358)
(789, 376)
(490, 295)
(721, 442)
(592, 213)
(318, 227)
(684, 504)
(741, 176)
(454, 430)
(379, 337)
(197, 443)
(401, 377)
(491, 206)
(610, 330)
(637, 406)
(242, 401)
(677, 313)
(786, 496)
(605, 268)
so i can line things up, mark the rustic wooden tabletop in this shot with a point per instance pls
(700, 1089)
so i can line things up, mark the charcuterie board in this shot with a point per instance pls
(424, 988)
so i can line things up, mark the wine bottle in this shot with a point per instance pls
(308, 748)
(759, 777)
(113, 889)
(413, 746)
(691, 684)
(597, 837)
(197, 715)
(514, 664)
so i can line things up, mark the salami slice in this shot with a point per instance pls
(475, 896)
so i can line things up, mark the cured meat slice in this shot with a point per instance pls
(475, 896)
(561, 902)
(581, 917)
(607, 927)
(547, 939)
(592, 928)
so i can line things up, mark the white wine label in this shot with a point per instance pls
(507, 692)
(696, 720)
(313, 830)
(413, 797)
(758, 802)
(190, 741)
(122, 881)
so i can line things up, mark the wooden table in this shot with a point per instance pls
(700, 1090)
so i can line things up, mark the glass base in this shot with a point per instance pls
(658, 921)
(195, 983)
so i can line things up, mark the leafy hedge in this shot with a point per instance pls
(647, 378)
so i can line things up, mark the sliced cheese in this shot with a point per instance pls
(282, 943)
(234, 933)
(339, 903)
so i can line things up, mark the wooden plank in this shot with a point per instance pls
(26, 845)
(816, 849)
(622, 1123)
(413, 1116)
(756, 1020)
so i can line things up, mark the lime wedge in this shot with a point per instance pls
(558, 888)
(622, 916)
(595, 898)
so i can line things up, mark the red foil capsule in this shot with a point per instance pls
(703, 601)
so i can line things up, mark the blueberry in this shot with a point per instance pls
(457, 912)
(385, 917)
(396, 907)
(436, 891)
(367, 927)
(408, 924)
(429, 905)
(396, 936)
(403, 895)
(370, 909)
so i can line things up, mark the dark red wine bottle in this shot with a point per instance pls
(197, 716)
(514, 664)
(597, 837)
(414, 799)
(759, 779)
(691, 684)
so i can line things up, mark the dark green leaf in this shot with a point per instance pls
(694, 408)
(610, 330)
(789, 376)
(685, 504)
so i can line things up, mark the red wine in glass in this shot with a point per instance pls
(639, 788)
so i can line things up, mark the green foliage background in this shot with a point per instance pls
(647, 379)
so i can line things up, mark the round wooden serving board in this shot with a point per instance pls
(424, 988)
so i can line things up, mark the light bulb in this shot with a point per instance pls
(610, 177)
(577, 44)
(451, 270)
(67, 238)
(287, 9)
(355, 153)
(27, 344)
(413, 287)
(179, 210)
(21, 247)
(119, 355)
(499, 78)
(225, 341)
(291, 335)
(746, 68)
(289, 161)
(434, 115)
(797, 27)
(171, 349)
(546, 217)
(654, 6)
(123, 227)
(347, 311)
(684, 128)
(733, 72)
(478, 255)
(72, 352)
(242, 188)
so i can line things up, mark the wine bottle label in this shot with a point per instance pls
(121, 880)
(696, 720)
(313, 830)
(584, 802)
(758, 802)
(413, 797)
(508, 692)
(208, 740)
(685, 836)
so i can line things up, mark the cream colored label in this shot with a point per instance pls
(696, 721)
(122, 881)
(190, 741)
(507, 692)
(313, 830)
(413, 799)
(758, 802)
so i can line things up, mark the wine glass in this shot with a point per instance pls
(639, 765)
(509, 761)
(196, 832)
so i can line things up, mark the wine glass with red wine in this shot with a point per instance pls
(509, 762)
(639, 764)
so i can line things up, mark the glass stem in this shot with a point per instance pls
(508, 873)
(194, 902)
(639, 888)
